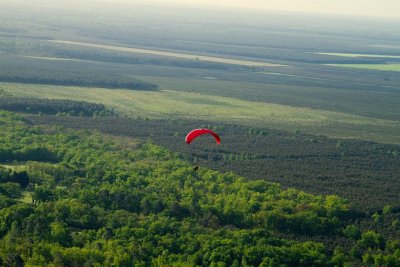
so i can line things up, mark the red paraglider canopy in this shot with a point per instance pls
(196, 132)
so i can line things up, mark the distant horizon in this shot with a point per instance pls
(367, 9)
(386, 9)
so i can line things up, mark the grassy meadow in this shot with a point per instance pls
(353, 55)
(175, 104)
(380, 67)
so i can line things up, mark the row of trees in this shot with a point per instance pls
(54, 107)
(43, 72)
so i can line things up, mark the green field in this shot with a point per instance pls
(357, 55)
(174, 104)
(382, 67)
(286, 90)
(386, 46)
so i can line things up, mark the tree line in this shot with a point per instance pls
(45, 73)
(54, 107)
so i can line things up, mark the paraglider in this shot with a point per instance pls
(197, 132)
(196, 168)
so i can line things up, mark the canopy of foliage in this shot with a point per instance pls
(92, 202)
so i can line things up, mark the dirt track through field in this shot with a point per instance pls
(231, 61)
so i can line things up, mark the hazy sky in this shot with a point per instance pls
(381, 8)
(376, 8)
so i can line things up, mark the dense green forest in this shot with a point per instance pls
(366, 173)
(93, 200)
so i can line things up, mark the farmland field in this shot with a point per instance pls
(174, 104)
(357, 55)
(380, 67)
